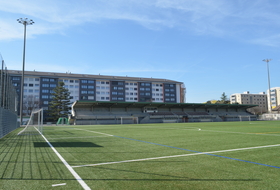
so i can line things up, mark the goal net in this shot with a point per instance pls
(247, 118)
(127, 120)
(34, 125)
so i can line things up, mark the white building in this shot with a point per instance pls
(38, 87)
(275, 98)
(259, 99)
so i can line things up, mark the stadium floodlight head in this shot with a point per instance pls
(25, 22)
(269, 94)
(267, 60)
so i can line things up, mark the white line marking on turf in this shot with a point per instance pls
(94, 132)
(77, 137)
(78, 178)
(175, 156)
(240, 133)
(54, 185)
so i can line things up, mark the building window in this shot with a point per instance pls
(45, 91)
(45, 96)
(45, 79)
(91, 97)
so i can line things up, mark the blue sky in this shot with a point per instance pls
(212, 46)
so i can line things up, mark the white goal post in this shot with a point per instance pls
(35, 123)
(244, 118)
(128, 120)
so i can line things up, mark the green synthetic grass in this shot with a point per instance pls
(27, 162)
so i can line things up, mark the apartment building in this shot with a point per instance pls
(275, 98)
(251, 99)
(38, 87)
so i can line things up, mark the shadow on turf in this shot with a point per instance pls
(65, 144)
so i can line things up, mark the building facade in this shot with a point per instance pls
(251, 99)
(38, 88)
(274, 101)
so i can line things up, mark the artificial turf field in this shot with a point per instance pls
(215, 155)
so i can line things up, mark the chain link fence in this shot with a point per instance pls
(8, 102)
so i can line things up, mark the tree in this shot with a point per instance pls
(224, 99)
(30, 103)
(60, 105)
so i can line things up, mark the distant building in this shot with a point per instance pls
(252, 99)
(38, 87)
(275, 98)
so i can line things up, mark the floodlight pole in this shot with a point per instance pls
(25, 22)
(269, 93)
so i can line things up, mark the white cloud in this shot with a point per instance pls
(273, 41)
(204, 17)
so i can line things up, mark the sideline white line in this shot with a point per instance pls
(175, 156)
(78, 178)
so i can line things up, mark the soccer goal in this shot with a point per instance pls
(245, 118)
(128, 120)
(34, 125)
